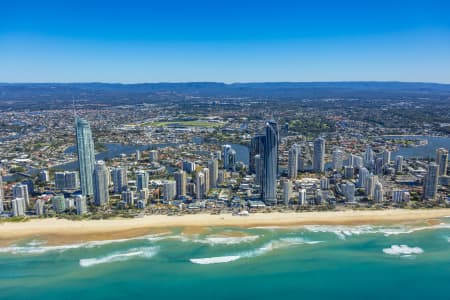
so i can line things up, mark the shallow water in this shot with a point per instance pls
(310, 262)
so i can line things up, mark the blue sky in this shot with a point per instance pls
(229, 41)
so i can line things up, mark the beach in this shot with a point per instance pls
(60, 231)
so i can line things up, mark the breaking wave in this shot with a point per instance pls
(144, 252)
(403, 250)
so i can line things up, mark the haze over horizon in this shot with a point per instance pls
(200, 41)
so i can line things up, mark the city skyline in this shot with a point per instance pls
(234, 42)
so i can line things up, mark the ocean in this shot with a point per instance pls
(307, 262)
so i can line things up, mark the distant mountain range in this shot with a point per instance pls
(267, 90)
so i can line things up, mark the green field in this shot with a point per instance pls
(183, 123)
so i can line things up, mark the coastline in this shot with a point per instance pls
(61, 231)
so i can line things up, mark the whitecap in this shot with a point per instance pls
(37, 247)
(214, 260)
(402, 250)
(144, 252)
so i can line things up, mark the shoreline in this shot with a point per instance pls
(61, 231)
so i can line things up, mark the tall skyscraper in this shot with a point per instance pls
(85, 150)
(270, 163)
(213, 166)
(287, 187)
(141, 180)
(259, 170)
(386, 157)
(18, 207)
(430, 182)
(338, 159)
(225, 158)
(100, 182)
(80, 204)
(293, 162)
(369, 158)
(378, 194)
(200, 185)
(207, 175)
(119, 178)
(256, 148)
(398, 164)
(319, 155)
(442, 160)
(21, 191)
(180, 179)
(169, 189)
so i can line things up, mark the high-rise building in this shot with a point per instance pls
(213, 166)
(302, 197)
(378, 166)
(270, 158)
(128, 197)
(386, 157)
(442, 160)
(400, 195)
(378, 194)
(293, 162)
(398, 164)
(80, 204)
(60, 180)
(430, 182)
(85, 150)
(287, 187)
(18, 207)
(44, 176)
(319, 155)
(225, 151)
(59, 203)
(143, 196)
(153, 155)
(188, 166)
(256, 148)
(259, 170)
(119, 178)
(101, 193)
(71, 180)
(370, 185)
(200, 185)
(348, 190)
(349, 172)
(21, 191)
(169, 189)
(369, 158)
(180, 179)
(363, 177)
(141, 180)
(39, 207)
(338, 159)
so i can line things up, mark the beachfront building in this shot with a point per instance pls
(119, 178)
(319, 155)
(2, 193)
(101, 193)
(21, 191)
(59, 203)
(80, 204)
(293, 162)
(256, 148)
(85, 150)
(270, 158)
(430, 182)
(180, 179)
(213, 166)
(169, 190)
(18, 207)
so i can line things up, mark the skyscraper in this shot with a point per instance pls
(80, 204)
(21, 191)
(256, 148)
(270, 163)
(85, 150)
(18, 207)
(398, 164)
(319, 155)
(213, 166)
(368, 158)
(141, 180)
(386, 157)
(259, 170)
(200, 185)
(378, 194)
(338, 159)
(442, 160)
(180, 179)
(287, 187)
(430, 182)
(100, 182)
(293, 162)
(169, 189)
(119, 178)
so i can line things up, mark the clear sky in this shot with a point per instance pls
(224, 40)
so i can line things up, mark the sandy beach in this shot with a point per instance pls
(59, 231)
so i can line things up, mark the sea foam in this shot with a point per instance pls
(403, 250)
(214, 260)
(143, 252)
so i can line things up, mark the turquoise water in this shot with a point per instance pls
(312, 262)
